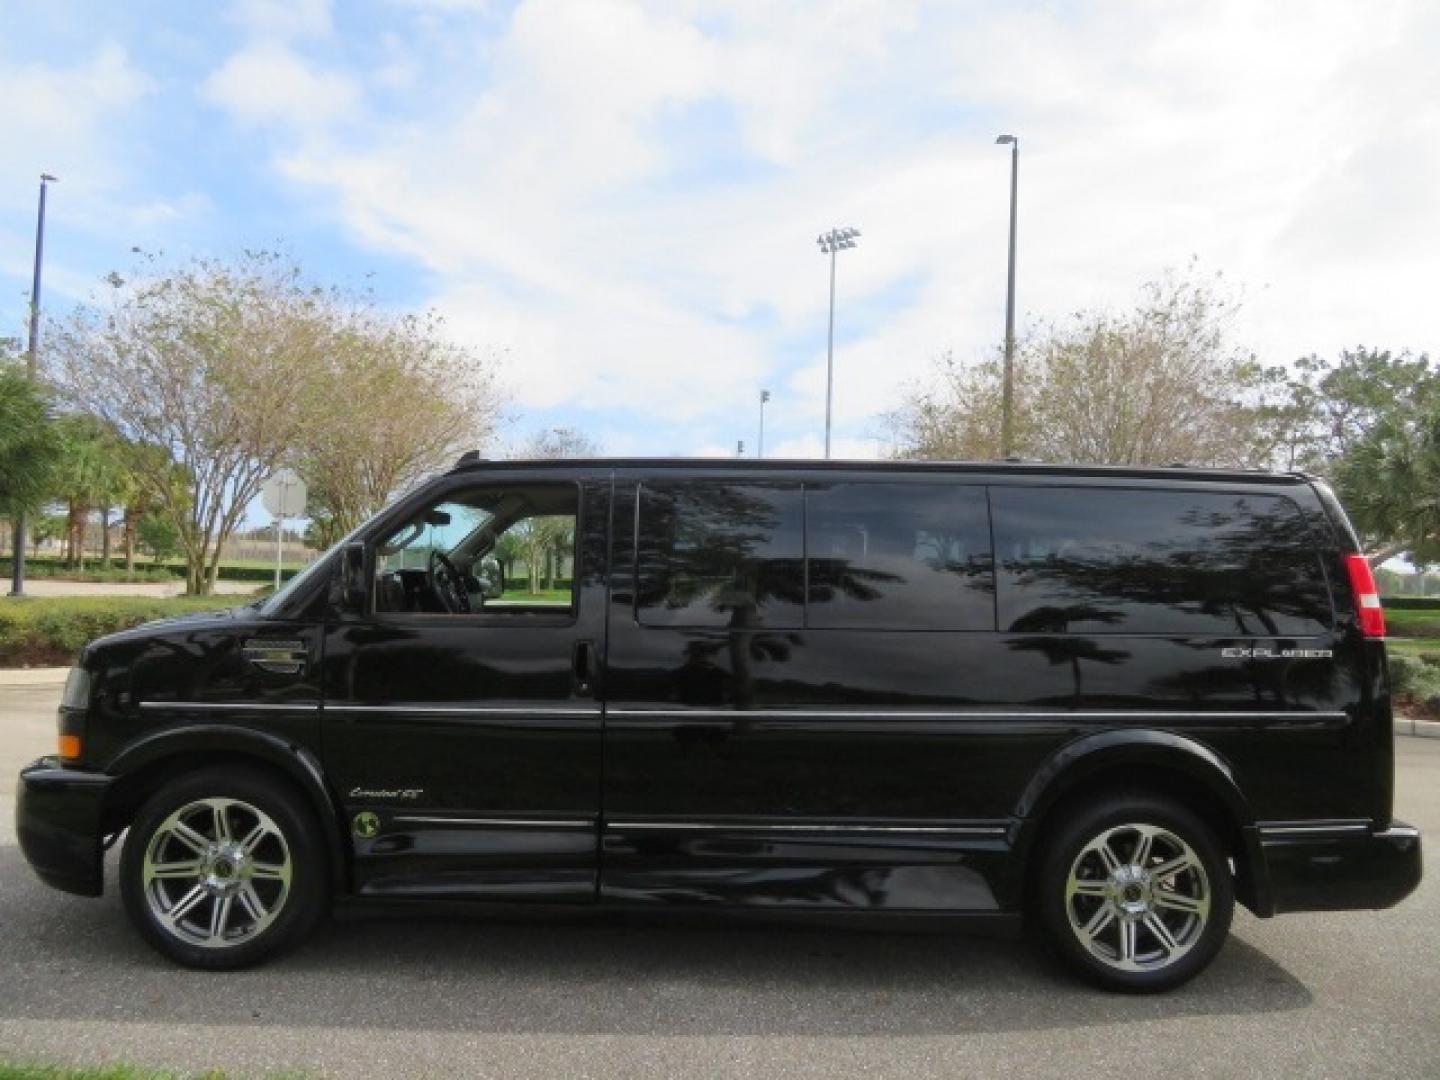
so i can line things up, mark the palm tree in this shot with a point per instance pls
(1390, 483)
(28, 444)
(90, 476)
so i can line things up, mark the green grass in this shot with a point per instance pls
(1412, 646)
(50, 630)
(544, 596)
(1400, 622)
(103, 1072)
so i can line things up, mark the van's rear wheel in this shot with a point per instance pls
(223, 867)
(1135, 893)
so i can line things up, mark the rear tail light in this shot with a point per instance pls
(1368, 611)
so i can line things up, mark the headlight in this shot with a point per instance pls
(77, 689)
(73, 703)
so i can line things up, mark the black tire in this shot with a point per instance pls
(289, 851)
(1133, 900)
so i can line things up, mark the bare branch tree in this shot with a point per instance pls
(391, 401)
(1152, 385)
(208, 362)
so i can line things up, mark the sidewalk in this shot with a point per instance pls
(52, 587)
(34, 676)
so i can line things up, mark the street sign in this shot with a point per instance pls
(284, 494)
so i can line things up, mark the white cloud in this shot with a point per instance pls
(283, 19)
(269, 83)
(60, 119)
(625, 195)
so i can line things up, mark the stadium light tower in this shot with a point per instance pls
(1007, 395)
(832, 243)
(760, 445)
(32, 368)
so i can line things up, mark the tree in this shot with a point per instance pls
(543, 543)
(1389, 482)
(29, 447)
(46, 527)
(90, 475)
(509, 550)
(209, 362)
(1156, 384)
(393, 400)
(158, 535)
(557, 443)
(1367, 420)
(1333, 405)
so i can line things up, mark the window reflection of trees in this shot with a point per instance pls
(1246, 568)
(923, 560)
(1052, 640)
(720, 555)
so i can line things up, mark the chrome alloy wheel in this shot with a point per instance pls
(1137, 897)
(216, 872)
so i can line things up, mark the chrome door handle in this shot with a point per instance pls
(279, 657)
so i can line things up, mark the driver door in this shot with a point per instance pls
(465, 744)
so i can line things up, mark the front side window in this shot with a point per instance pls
(725, 554)
(1099, 560)
(898, 557)
(494, 550)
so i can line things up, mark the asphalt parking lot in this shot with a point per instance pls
(1346, 995)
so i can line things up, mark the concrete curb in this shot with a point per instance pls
(39, 676)
(1426, 729)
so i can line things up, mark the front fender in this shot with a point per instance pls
(233, 741)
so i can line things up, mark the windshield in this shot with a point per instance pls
(444, 528)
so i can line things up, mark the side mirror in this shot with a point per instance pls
(352, 579)
(491, 578)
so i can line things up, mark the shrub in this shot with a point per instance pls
(1416, 678)
(95, 570)
(52, 630)
(1412, 603)
(48, 566)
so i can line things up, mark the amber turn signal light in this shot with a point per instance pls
(70, 746)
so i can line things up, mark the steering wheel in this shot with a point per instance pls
(447, 584)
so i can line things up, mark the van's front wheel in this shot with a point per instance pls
(1135, 893)
(221, 868)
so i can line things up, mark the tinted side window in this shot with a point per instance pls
(720, 553)
(1092, 560)
(899, 557)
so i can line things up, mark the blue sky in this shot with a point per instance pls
(621, 198)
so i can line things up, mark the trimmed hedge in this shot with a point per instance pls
(43, 569)
(51, 630)
(48, 566)
(1411, 603)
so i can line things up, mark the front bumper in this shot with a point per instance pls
(1339, 868)
(58, 819)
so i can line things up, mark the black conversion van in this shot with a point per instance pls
(1110, 701)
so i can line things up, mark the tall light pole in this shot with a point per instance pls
(832, 243)
(760, 444)
(32, 368)
(1007, 394)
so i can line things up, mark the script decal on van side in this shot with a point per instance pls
(386, 793)
(1261, 652)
